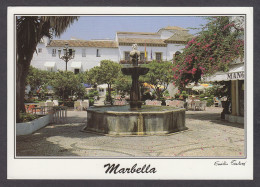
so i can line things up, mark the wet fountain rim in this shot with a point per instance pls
(166, 109)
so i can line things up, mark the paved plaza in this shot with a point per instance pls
(207, 136)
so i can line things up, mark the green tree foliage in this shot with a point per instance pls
(67, 84)
(123, 83)
(220, 89)
(218, 44)
(159, 75)
(30, 30)
(38, 78)
(61, 81)
(106, 73)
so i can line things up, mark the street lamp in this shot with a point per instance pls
(68, 54)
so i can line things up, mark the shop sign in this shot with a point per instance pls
(236, 75)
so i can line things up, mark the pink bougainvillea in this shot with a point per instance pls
(216, 46)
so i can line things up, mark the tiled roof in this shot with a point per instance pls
(139, 33)
(83, 43)
(141, 41)
(174, 28)
(179, 36)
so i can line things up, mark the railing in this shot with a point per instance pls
(59, 114)
(40, 110)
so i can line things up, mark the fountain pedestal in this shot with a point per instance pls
(135, 96)
(135, 71)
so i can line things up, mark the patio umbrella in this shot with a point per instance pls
(198, 88)
(190, 85)
(207, 85)
(148, 85)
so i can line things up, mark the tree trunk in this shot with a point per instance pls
(109, 94)
(19, 107)
(22, 69)
(21, 74)
(158, 93)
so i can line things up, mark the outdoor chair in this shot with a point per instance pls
(153, 102)
(119, 102)
(85, 104)
(203, 105)
(42, 105)
(197, 105)
(180, 104)
(49, 105)
(77, 105)
(191, 104)
(56, 103)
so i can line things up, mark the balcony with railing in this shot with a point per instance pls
(140, 62)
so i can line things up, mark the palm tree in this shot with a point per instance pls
(30, 30)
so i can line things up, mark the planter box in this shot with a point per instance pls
(32, 126)
(234, 119)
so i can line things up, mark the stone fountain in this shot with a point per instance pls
(135, 119)
(135, 71)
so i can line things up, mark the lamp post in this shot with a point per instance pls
(68, 54)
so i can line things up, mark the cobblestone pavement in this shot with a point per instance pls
(207, 136)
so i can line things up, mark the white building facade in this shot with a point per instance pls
(161, 45)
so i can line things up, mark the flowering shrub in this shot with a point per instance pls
(216, 46)
(26, 117)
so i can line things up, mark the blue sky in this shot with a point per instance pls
(105, 27)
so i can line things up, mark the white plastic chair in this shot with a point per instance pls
(49, 103)
(42, 104)
(55, 102)
(77, 105)
(197, 105)
(85, 104)
(204, 104)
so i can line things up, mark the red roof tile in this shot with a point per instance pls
(83, 43)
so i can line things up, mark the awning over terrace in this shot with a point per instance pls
(236, 72)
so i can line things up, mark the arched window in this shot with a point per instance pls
(177, 53)
(175, 56)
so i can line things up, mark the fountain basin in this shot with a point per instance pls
(149, 120)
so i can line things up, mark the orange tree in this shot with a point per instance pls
(106, 73)
(218, 44)
(159, 75)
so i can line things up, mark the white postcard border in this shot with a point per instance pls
(166, 168)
